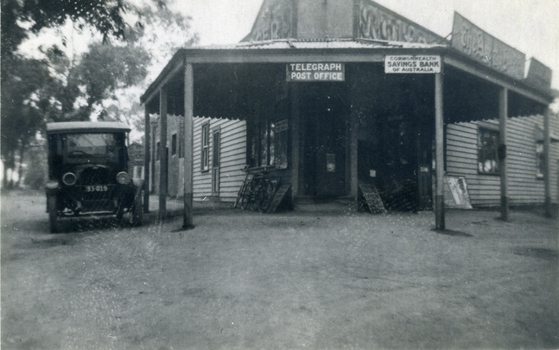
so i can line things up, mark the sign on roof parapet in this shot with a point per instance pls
(484, 48)
(274, 21)
(377, 23)
(539, 75)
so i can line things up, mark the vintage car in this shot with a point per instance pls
(88, 173)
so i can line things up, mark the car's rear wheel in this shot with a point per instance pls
(53, 214)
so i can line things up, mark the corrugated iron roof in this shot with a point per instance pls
(320, 44)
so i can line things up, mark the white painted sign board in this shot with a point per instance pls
(408, 64)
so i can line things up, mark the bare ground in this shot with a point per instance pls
(319, 280)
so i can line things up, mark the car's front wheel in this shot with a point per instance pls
(53, 214)
(133, 216)
(137, 211)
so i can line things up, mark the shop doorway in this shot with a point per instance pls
(324, 115)
(394, 154)
(405, 166)
(399, 171)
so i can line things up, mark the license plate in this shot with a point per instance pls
(96, 188)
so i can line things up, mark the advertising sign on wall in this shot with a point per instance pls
(308, 72)
(404, 64)
(482, 47)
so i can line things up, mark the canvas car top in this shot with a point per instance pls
(62, 127)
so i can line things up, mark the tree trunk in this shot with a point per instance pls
(5, 176)
(20, 166)
(9, 165)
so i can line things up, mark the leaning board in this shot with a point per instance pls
(278, 197)
(456, 193)
(372, 198)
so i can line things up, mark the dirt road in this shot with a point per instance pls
(313, 280)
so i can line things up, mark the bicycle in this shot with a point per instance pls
(241, 194)
(257, 191)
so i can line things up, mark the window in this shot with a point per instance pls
(174, 144)
(488, 143)
(540, 161)
(205, 149)
(216, 147)
(261, 146)
(158, 151)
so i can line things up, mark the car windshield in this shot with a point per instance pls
(95, 145)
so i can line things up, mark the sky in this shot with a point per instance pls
(531, 26)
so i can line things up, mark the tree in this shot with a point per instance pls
(107, 68)
(24, 103)
(59, 88)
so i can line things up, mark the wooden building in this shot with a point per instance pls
(526, 161)
(332, 95)
(218, 158)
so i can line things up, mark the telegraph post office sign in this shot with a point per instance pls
(310, 72)
(406, 64)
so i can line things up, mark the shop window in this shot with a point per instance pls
(540, 161)
(268, 143)
(488, 144)
(280, 144)
(205, 148)
(261, 145)
(174, 144)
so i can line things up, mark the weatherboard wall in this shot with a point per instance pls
(233, 159)
(525, 186)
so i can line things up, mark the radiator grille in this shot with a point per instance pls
(94, 176)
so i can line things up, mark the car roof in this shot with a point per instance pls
(62, 127)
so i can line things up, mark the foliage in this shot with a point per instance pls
(107, 16)
(25, 99)
(34, 176)
(58, 87)
(107, 68)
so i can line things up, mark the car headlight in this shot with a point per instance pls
(123, 178)
(69, 179)
(51, 185)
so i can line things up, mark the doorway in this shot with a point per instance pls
(325, 113)
(216, 160)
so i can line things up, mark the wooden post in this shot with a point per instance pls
(295, 141)
(502, 152)
(188, 144)
(163, 168)
(439, 153)
(353, 155)
(153, 128)
(547, 163)
(147, 158)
